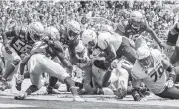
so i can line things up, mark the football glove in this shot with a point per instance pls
(7, 48)
(102, 64)
(136, 94)
(121, 92)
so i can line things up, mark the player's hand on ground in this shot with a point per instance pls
(169, 83)
(20, 96)
(85, 90)
(78, 98)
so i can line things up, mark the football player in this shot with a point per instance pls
(107, 42)
(118, 81)
(173, 40)
(132, 27)
(156, 73)
(70, 38)
(38, 63)
(23, 38)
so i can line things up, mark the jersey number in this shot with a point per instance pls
(21, 46)
(134, 37)
(158, 73)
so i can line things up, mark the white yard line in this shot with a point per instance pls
(14, 106)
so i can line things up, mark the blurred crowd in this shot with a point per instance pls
(52, 13)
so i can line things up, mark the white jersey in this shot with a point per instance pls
(105, 39)
(155, 77)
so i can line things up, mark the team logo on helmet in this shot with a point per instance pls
(89, 38)
(73, 29)
(36, 30)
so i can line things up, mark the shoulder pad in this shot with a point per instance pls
(21, 29)
(58, 46)
(125, 22)
(122, 25)
(156, 53)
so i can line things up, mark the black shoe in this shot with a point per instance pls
(18, 86)
(52, 91)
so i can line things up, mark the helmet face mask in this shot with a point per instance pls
(34, 36)
(136, 19)
(73, 29)
(136, 23)
(146, 62)
(72, 35)
(91, 44)
(145, 58)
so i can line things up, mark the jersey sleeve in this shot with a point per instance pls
(11, 33)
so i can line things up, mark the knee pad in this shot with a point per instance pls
(107, 91)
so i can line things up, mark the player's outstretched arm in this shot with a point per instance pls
(171, 73)
(154, 35)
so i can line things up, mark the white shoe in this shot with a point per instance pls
(78, 98)
(5, 85)
(20, 96)
(19, 78)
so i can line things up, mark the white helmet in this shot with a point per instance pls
(136, 18)
(89, 38)
(52, 32)
(36, 30)
(73, 29)
(144, 56)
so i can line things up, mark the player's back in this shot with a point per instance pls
(20, 40)
(106, 38)
(154, 77)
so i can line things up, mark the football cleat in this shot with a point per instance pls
(21, 96)
(78, 98)
(52, 91)
(19, 78)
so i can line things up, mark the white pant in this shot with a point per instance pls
(9, 58)
(119, 76)
(39, 63)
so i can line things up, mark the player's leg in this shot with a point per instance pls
(56, 70)
(172, 93)
(87, 80)
(121, 83)
(35, 69)
(36, 85)
(52, 82)
(13, 61)
(175, 56)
